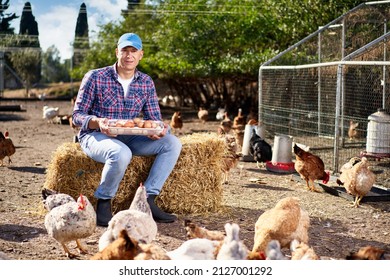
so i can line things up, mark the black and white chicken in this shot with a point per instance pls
(259, 149)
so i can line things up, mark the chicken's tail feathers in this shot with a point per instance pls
(47, 192)
(326, 177)
(2, 135)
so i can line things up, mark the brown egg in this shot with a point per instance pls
(120, 123)
(148, 124)
(129, 123)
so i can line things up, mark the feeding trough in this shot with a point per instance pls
(281, 156)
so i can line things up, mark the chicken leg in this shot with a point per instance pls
(310, 185)
(67, 252)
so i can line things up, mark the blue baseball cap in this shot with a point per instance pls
(130, 39)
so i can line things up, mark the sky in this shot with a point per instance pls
(57, 19)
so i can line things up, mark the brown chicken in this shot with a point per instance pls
(230, 157)
(239, 127)
(352, 131)
(7, 147)
(226, 125)
(285, 222)
(369, 253)
(127, 248)
(123, 248)
(310, 167)
(203, 115)
(176, 121)
(357, 180)
(195, 231)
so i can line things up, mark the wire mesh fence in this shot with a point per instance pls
(337, 76)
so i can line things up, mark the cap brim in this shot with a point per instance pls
(129, 44)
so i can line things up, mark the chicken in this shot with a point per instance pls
(357, 180)
(310, 167)
(176, 121)
(285, 222)
(232, 247)
(127, 248)
(49, 113)
(259, 149)
(239, 128)
(137, 220)
(369, 253)
(226, 125)
(52, 199)
(195, 249)
(7, 147)
(195, 231)
(123, 248)
(203, 115)
(274, 252)
(230, 157)
(220, 114)
(352, 131)
(71, 221)
(302, 251)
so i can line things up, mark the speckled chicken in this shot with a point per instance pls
(357, 180)
(137, 220)
(232, 248)
(310, 167)
(7, 147)
(285, 222)
(71, 221)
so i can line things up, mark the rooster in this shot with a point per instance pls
(71, 221)
(176, 121)
(357, 179)
(310, 167)
(259, 149)
(7, 147)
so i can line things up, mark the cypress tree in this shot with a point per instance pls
(29, 27)
(81, 41)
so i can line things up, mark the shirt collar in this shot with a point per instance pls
(136, 72)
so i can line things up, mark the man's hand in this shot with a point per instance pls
(162, 134)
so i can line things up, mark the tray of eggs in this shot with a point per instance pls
(135, 126)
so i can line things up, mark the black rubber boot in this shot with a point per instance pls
(103, 212)
(158, 215)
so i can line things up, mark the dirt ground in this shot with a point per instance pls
(336, 229)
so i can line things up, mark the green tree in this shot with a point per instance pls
(81, 40)
(5, 18)
(25, 62)
(53, 70)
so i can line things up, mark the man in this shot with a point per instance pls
(121, 91)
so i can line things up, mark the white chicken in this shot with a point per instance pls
(49, 113)
(70, 221)
(232, 247)
(195, 249)
(137, 220)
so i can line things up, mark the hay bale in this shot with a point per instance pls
(194, 186)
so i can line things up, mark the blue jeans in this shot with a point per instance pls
(116, 154)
